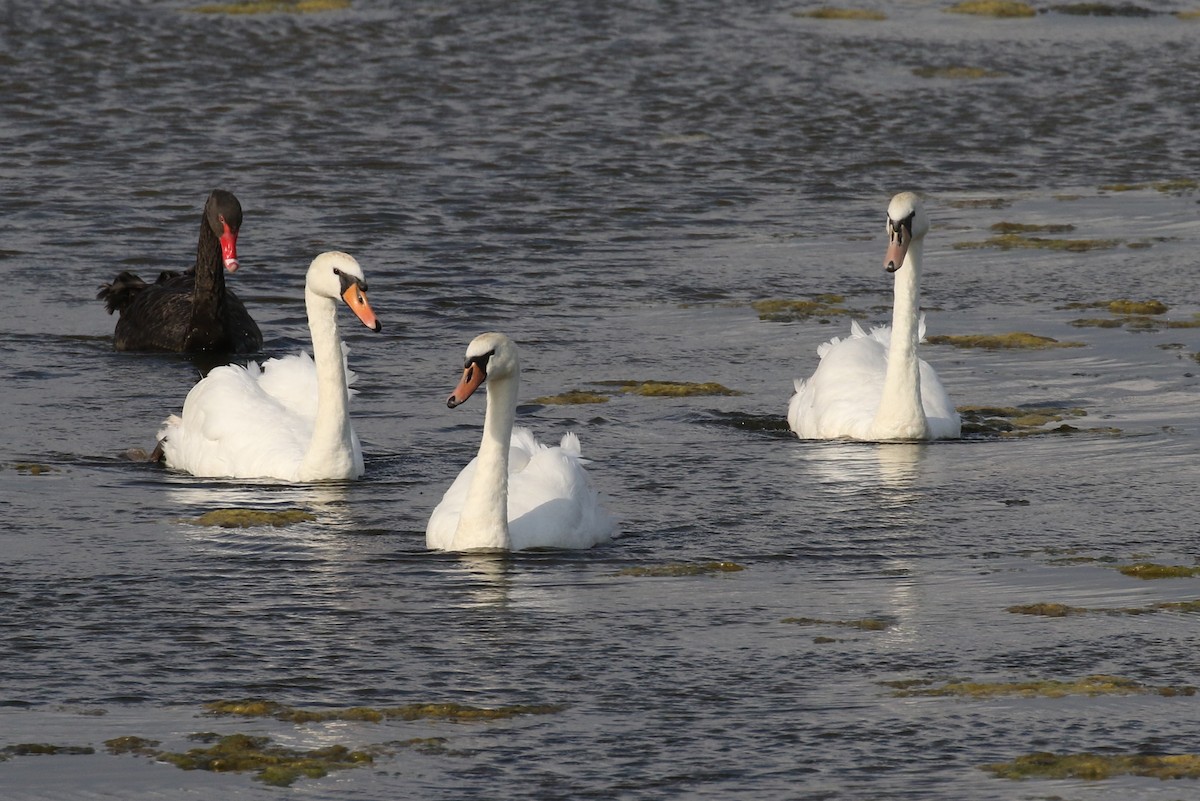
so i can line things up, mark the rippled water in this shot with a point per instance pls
(612, 184)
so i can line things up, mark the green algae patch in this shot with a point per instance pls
(1020, 421)
(272, 7)
(784, 310)
(669, 389)
(829, 12)
(1150, 570)
(1124, 306)
(273, 764)
(251, 518)
(681, 569)
(1011, 241)
(862, 624)
(33, 469)
(256, 708)
(993, 8)
(1095, 767)
(574, 397)
(132, 745)
(1045, 688)
(1047, 610)
(1027, 228)
(46, 749)
(1011, 341)
(1191, 14)
(956, 73)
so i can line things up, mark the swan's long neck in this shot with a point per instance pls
(208, 293)
(331, 450)
(900, 414)
(484, 519)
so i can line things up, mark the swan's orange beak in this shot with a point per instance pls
(898, 241)
(229, 247)
(356, 298)
(472, 377)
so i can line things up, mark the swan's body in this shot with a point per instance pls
(873, 386)
(516, 493)
(191, 311)
(289, 418)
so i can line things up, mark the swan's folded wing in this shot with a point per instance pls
(230, 427)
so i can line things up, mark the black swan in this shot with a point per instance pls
(190, 311)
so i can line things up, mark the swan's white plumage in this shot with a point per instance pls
(845, 396)
(841, 399)
(261, 421)
(548, 500)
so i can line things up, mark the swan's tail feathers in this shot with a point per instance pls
(351, 376)
(570, 444)
(799, 383)
(121, 292)
(921, 328)
(856, 330)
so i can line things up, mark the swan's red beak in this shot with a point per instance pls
(472, 377)
(229, 247)
(356, 298)
(898, 241)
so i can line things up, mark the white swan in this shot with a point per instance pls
(873, 386)
(289, 418)
(516, 493)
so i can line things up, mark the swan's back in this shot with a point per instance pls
(551, 500)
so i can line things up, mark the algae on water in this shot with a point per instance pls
(1044, 688)
(993, 8)
(1013, 340)
(1094, 767)
(829, 12)
(785, 310)
(669, 389)
(249, 518)
(573, 397)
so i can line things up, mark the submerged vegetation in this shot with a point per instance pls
(1150, 570)
(681, 569)
(669, 389)
(45, 749)
(273, 764)
(993, 8)
(1014, 340)
(574, 396)
(1020, 421)
(1062, 610)
(250, 518)
(1139, 315)
(829, 12)
(33, 468)
(1043, 688)
(781, 310)
(1042, 765)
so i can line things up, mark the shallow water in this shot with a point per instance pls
(613, 187)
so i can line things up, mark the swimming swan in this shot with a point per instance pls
(193, 311)
(516, 493)
(873, 386)
(289, 418)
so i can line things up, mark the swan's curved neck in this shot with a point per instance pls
(484, 518)
(900, 414)
(331, 450)
(208, 292)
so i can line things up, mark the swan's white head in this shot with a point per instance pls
(489, 355)
(906, 221)
(336, 275)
